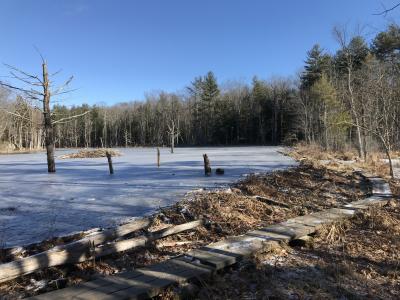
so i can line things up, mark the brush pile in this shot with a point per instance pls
(96, 153)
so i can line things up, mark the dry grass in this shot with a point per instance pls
(355, 259)
(91, 154)
(342, 160)
(316, 152)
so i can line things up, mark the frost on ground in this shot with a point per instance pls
(36, 205)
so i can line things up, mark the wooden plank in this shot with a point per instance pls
(292, 230)
(141, 281)
(142, 240)
(309, 220)
(269, 236)
(365, 203)
(242, 245)
(81, 289)
(74, 252)
(115, 284)
(83, 250)
(164, 274)
(341, 211)
(218, 260)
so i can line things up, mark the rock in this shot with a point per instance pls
(304, 241)
(220, 171)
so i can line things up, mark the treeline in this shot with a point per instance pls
(263, 113)
(342, 99)
(352, 97)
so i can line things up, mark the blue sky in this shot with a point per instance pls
(119, 50)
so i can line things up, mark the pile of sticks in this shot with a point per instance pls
(95, 153)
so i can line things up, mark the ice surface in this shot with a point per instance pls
(35, 205)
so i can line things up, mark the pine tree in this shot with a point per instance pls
(317, 64)
(209, 97)
(386, 45)
(334, 118)
(262, 109)
(353, 56)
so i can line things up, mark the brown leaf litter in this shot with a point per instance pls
(353, 259)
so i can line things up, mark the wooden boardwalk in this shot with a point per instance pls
(149, 281)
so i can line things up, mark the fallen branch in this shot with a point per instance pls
(271, 202)
(64, 120)
(141, 241)
(74, 252)
(174, 243)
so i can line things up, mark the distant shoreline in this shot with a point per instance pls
(131, 147)
(21, 152)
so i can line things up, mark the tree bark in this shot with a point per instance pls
(158, 157)
(172, 142)
(387, 151)
(48, 126)
(110, 165)
(207, 168)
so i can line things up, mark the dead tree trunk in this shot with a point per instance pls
(207, 168)
(388, 155)
(48, 126)
(173, 133)
(158, 157)
(110, 165)
(172, 142)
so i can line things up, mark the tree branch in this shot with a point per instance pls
(17, 115)
(60, 89)
(385, 11)
(25, 80)
(65, 120)
(23, 73)
(30, 93)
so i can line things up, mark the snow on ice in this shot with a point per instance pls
(35, 205)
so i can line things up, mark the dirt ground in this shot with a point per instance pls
(244, 206)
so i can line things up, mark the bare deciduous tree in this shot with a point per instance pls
(39, 88)
(173, 132)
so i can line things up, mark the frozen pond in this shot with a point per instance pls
(35, 205)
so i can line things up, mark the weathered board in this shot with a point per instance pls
(138, 284)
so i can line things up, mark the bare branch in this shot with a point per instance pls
(55, 73)
(385, 11)
(23, 73)
(31, 94)
(40, 54)
(17, 115)
(65, 120)
(60, 89)
(25, 80)
(64, 92)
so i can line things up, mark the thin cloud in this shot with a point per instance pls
(76, 8)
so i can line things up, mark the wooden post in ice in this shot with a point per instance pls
(207, 168)
(158, 157)
(110, 165)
